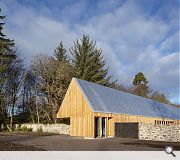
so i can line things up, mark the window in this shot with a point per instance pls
(163, 122)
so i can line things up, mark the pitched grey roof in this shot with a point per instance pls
(108, 100)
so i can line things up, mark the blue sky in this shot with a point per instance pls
(135, 35)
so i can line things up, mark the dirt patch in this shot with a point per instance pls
(8, 146)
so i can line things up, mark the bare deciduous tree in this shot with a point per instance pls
(55, 77)
(13, 86)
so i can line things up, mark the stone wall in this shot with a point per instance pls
(154, 132)
(52, 128)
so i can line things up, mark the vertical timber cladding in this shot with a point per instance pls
(82, 117)
(122, 118)
(75, 106)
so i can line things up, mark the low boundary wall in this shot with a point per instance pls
(52, 128)
(161, 132)
(143, 131)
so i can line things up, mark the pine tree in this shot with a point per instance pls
(139, 79)
(88, 62)
(6, 51)
(140, 82)
(7, 55)
(60, 53)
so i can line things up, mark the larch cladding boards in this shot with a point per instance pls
(117, 118)
(76, 107)
(120, 118)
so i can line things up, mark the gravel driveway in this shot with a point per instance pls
(64, 143)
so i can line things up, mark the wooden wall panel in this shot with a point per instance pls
(82, 117)
(76, 107)
(74, 103)
(115, 118)
(128, 118)
(82, 126)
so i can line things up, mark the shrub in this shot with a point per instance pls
(24, 129)
(30, 129)
(40, 129)
(18, 128)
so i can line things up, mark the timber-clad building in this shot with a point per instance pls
(95, 109)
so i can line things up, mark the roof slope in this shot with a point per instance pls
(108, 100)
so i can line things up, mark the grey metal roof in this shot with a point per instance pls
(108, 100)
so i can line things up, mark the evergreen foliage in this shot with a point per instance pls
(60, 53)
(88, 61)
(140, 82)
(6, 51)
(140, 79)
(7, 55)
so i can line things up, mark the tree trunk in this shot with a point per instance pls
(54, 114)
(31, 114)
(48, 116)
(37, 113)
(54, 110)
(32, 118)
(12, 111)
(12, 114)
(9, 128)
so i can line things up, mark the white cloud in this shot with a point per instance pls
(171, 43)
(35, 34)
(131, 41)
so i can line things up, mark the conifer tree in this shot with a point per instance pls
(88, 61)
(6, 51)
(140, 79)
(140, 82)
(60, 53)
(7, 55)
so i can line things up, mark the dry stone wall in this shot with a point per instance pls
(154, 132)
(52, 128)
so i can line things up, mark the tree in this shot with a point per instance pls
(55, 77)
(28, 99)
(60, 53)
(140, 82)
(119, 87)
(160, 97)
(13, 86)
(177, 105)
(140, 79)
(34, 106)
(7, 55)
(88, 62)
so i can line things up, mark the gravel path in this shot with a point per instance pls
(33, 141)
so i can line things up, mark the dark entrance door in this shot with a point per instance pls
(97, 127)
(126, 130)
(103, 127)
